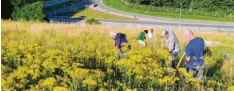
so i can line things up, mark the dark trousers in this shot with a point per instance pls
(173, 58)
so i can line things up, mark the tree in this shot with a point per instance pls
(32, 11)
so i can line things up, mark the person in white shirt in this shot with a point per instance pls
(150, 34)
(172, 43)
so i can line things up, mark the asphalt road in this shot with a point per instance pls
(54, 2)
(69, 9)
(142, 19)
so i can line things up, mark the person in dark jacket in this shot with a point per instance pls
(121, 43)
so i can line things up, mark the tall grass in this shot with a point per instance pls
(42, 56)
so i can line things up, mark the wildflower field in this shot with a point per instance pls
(38, 56)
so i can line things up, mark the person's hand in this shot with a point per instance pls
(129, 47)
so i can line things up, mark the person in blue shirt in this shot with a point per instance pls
(194, 52)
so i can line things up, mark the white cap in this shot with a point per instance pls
(112, 34)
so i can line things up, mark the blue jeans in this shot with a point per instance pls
(196, 69)
(197, 72)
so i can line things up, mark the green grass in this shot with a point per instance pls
(91, 13)
(167, 12)
(61, 5)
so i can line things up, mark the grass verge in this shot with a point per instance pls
(91, 13)
(166, 12)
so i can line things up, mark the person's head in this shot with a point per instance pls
(146, 31)
(188, 35)
(165, 34)
(152, 30)
(112, 34)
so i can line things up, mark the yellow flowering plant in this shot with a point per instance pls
(71, 57)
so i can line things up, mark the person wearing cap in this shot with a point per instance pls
(121, 43)
(141, 38)
(194, 52)
(172, 44)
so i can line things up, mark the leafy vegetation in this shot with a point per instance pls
(27, 9)
(91, 13)
(206, 5)
(92, 21)
(191, 9)
(41, 56)
(32, 11)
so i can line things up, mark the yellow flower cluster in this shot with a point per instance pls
(231, 88)
(60, 89)
(50, 82)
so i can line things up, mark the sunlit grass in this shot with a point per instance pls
(91, 13)
(166, 12)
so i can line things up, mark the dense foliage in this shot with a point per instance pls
(32, 11)
(37, 57)
(206, 5)
(23, 9)
(187, 11)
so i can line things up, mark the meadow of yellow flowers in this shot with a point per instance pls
(38, 56)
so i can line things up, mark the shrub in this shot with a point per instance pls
(32, 11)
(92, 21)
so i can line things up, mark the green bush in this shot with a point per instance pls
(33, 11)
(92, 21)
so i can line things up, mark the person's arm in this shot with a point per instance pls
(187, 54)
(117, 43)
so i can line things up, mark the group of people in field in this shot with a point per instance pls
(193, 52)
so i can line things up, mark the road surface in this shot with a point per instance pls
(144, 20)
(54, 2)
(170, 21)
(69, 8)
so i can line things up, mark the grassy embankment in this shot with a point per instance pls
(91, 13)
(167, 12)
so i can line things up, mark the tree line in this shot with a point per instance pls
(225, 6)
